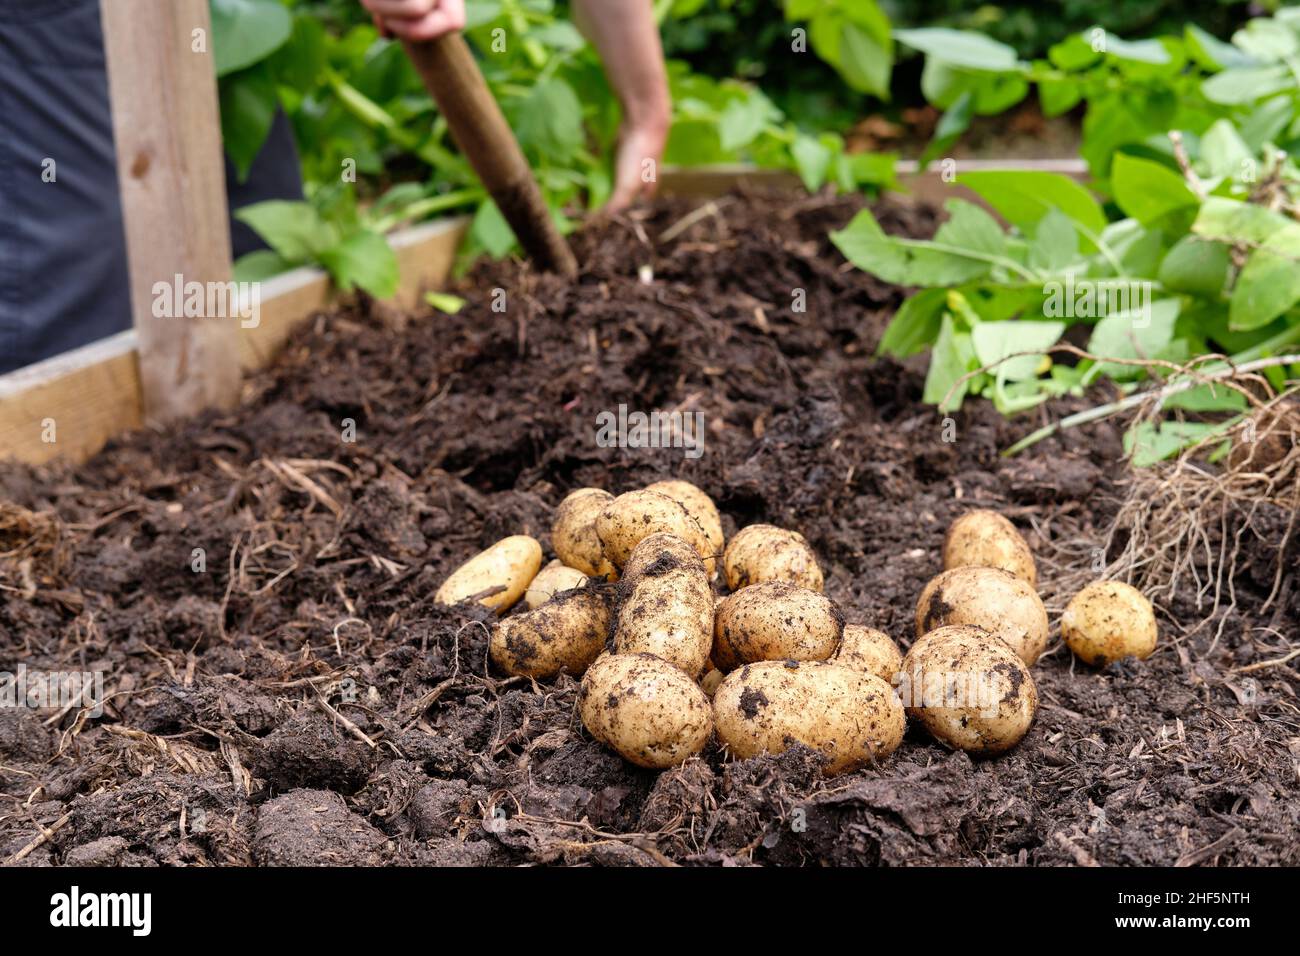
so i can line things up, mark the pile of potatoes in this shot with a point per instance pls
(629, 605)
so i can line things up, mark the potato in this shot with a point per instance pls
(644, 709)
(638, 514)
(497, 577)
(853, 717)
(775, 621)
(573, 532)
(870, 651)
(550, 581)
(988, 598)
(985, 539)
(565, 634)
(968, 691)
(665, 604)
(1108, 621)
(764, 552)
(698, 505)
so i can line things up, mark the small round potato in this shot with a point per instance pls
(1109, 621)
(985, 539)
(851, 716)
(764, 552)
(698, 505)
(573, 532)
(497, 577)
(988, 598)
(565, 634)
(775, 621)
(630, 517)
(871, 651)
(550, 581)
(665, 605)
(645, 709)
(969, 691)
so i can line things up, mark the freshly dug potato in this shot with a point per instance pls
(497, 577)
(573, 532)
(550, 581)
(985, 539)
(988, 598)
(775, 621)
(1108, 621)
(870, 651)
(565, 634)
(968, 691)
(764, 552)
(665, 605)
(698, 505)
(630, 517)
(644, 709)
(853, 717)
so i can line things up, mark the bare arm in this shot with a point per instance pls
(626, 36)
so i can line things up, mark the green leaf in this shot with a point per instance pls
(995, 341)
(295, 230)
(955, 121)
(363, 259)
(491, 230)
(1246, 84)
(1196, 266)
(962, 48)
(1133, 334)
(246, 31)
(445, 302)
(1211, 52)
(1269, 284)
(915, 325)
(742, 121)
(1223, 150)
(1058, 96)
(952, 357)
(1207, 398)
(865, 63)
(1229, 220)
(1150, 442)
(1055, 244)
(550, 120)
(961, 250)
(259, 265)
(1023, 197)
(1266, 39)
(812, 159)
(248, 106)
(1147, 190)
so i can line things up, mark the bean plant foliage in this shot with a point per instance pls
(376, 154)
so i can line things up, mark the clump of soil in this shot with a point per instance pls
(256, 589)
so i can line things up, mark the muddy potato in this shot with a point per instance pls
(644, 709)
(497, 577)
(629, 518)
(1108, 621)
(853, 717)
(869, 650)
(698, 505)
(764, 552)
(968, 691)
(988, 598)
(775, 621)
(573, 532)
(565, 634)
(550, 581)
(665, 604)
(985, 539)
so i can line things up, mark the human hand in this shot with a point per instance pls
(417, 19)
(636, 165)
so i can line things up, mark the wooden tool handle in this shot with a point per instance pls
(453, 78)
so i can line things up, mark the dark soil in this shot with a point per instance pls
(301, 699)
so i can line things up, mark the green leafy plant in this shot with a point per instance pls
(1200, 269)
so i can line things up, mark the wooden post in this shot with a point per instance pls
(163, 90)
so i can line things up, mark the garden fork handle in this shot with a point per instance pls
(454, 80)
